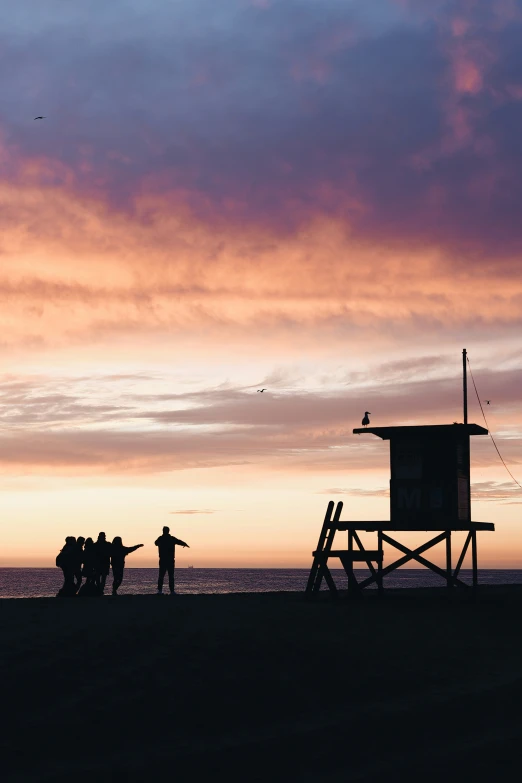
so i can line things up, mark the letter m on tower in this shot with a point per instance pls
(409, 497)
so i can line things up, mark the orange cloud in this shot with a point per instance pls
(71, 271)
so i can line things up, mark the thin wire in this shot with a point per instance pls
(487, 426)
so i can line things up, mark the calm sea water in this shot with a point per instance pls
(44, 582)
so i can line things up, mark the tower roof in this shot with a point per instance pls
(424, 431)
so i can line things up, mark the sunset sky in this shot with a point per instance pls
(319, 197)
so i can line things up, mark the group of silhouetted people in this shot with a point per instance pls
(84, 559)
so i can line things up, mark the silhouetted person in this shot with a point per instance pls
(89, 561)
(66, 560)
(80, 541)
(103, 561)
(167, 555)
(118, 555)
(89, 569)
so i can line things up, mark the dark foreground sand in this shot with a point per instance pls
(418, 686)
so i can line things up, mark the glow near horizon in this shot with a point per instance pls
(336, 240)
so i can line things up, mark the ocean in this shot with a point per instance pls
(45, 582)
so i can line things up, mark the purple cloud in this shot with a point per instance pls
(401, 119)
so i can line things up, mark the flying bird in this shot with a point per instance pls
(261, 390)
(366, 420)
(40, 118)
(487, 402)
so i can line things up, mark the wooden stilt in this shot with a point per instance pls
(349, 567)
(380, 585)
(462, 554)
(474, 558)
(449, 579)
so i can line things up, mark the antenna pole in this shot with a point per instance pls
(465, 384)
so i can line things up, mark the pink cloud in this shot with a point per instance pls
(59, 428)
(467, 77)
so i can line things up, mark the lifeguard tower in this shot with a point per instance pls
(429, 491)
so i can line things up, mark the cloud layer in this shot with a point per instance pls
(402, 122)
(335, 167)
(101, 425)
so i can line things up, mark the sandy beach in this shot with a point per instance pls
(417, 686)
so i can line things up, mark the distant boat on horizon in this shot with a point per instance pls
(190, 566)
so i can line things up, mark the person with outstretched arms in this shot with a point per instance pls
(167, 557)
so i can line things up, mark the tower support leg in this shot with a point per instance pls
(353, 587)
(380, 585)
(448, 559)
(474, 558)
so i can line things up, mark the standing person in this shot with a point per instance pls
(89, 568)
(118, 554)
(66, 560)
(80, 541)
(167, 557)
(103, 561)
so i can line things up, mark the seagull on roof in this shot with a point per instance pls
(261, 390)
(40, 118)
(366, 420)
